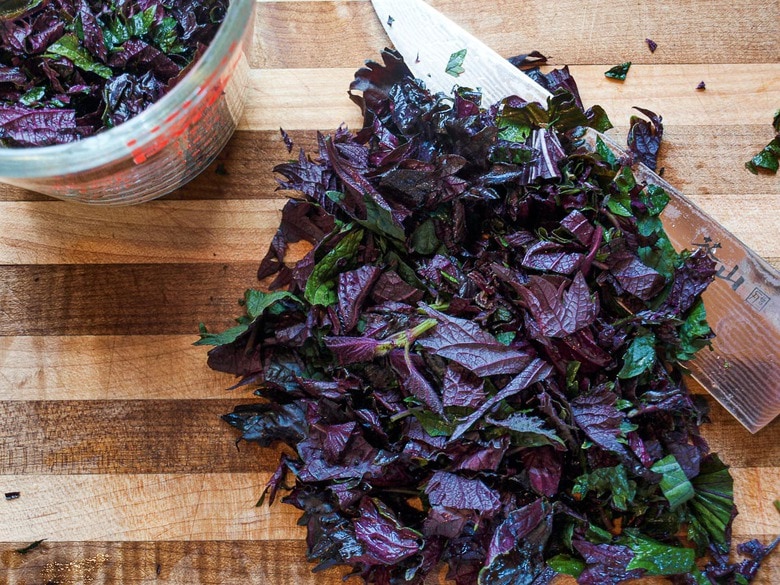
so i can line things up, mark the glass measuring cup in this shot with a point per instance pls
(163, 147)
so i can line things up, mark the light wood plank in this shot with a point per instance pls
(697, 159)
(217, 506)
(300, 99)
(159, 231)
(237, 231)
(154, 507)
(113, 367)
(108, 367)
(568, 31)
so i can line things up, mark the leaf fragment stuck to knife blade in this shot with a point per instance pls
(455, 64)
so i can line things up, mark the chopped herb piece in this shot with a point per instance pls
(702, 86)
(390, 21)
(12, 495)
(532, 59)
(288, 143)
(618, 71)
(455, 64)
(652, 45)
(30, 547)
(768, 159)
(674, 484)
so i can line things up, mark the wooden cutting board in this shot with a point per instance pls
(109, 417)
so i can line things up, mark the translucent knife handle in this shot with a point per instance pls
(743, 306)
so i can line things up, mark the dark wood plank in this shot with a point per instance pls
(121, 299)
(280, 562)
(601, 32)
(178, 436)
(129, 436)
(174, 562)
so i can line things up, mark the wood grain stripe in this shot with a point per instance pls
(298, 99)
(157, 436)
(213, 231)
(698, 160)
(206, 563)
(187, 436)
(59, 232)
(243, 562)
(217, 506)
(108, 367)
(602, 32)
(101, 299)
(212, 506)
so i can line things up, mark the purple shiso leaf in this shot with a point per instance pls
(13, 75)
(632, 275)
(485, 459)
(517, 526)
(460, 387)
(536, 371)
(384, 539)
(414, 382)
(652, 45)
(36, 126)
(449, 490)
(352, 290)
(460, 372)
(544, 470)
(606, 563)
(690, 280)
(391, 287)
(597, 417)
(139, 54)
(465, 343)
(351, 350)
(578, 225)
(93, 34)
(546, 255)
(644, 137)
(559, 311)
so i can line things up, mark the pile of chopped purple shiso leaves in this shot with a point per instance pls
(478, 363)
(72, 68)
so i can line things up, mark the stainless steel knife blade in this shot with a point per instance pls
(743, 303)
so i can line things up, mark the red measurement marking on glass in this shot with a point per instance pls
(180, 124)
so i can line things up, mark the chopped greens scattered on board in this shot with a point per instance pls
(478, 361)
(618, 71)
(768, 159)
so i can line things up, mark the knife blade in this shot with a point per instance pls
(742, 370)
